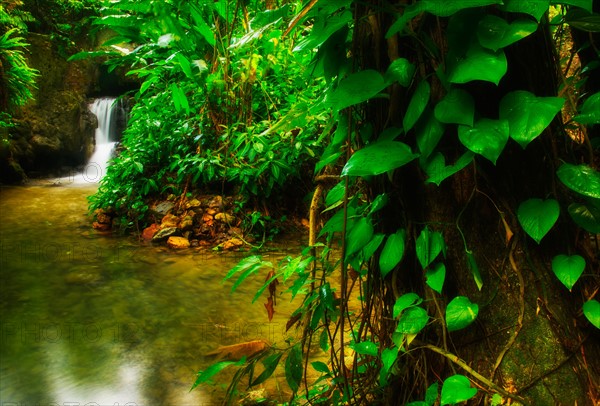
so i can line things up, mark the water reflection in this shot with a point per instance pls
(88, 318)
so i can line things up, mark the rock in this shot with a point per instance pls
(161, 209)
(82, 278)
(150, 231)
(101, 226)
(234, 231)
(216, 202)
(165, 233)
(103, 218)
(187, 223)
(232, 243)
(254, 397)
(211, 212)
(207, 219)
(225, 218)
(168, 221)
(192, 204)
(178, 242)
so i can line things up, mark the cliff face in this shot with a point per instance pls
(55, 131)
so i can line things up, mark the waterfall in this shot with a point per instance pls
(105, 109)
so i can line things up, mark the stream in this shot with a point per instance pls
(91, 318)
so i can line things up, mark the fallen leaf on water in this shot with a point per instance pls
(238, 351)
(270, 308)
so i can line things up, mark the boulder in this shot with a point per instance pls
(225, 218)
(168, 221)
(187, 223)
(165, 233)
(232, 243)
(162, 208)
(178, 242)
(192, 204)
(150, 231)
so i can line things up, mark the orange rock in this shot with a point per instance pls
(169, 220)
(232, 243)
(149, 232)
(178, 242)
(103, 218)
(100, 226)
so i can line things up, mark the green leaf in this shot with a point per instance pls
(320, 367)
(537, 217)
(206, 375)
(293, 368)
(528, 115)
(323, 28)
(456, 389)
(247, 267)
(436, 276)
(388, 357)
(412, 320)
(495, 33)
(366, 348)
(401, 71)
(404, 302)
(417, 105)
(429, 245)
(356, 88)
(378, 158)
(372, 246)
(584, 4)
(535, 8)
(590, 111)
(359, 236)
(583, 20)
(568, 269)
(270, 363)
(581, 179)
(432, 394)
(478, 63)
(457, 107)
(392, 252)
(429, 133)
(586, 217)
(487, 137)
(474, 269)
(460, 313)
(591, 310)
(436, 168)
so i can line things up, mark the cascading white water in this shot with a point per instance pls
(105, 110)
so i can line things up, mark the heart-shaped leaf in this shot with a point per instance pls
(366, 348)
(487, 137)
(401, 71)
(584, 4)
(456, 389)
(392, 252)
(404, 302)
(428, 246)
(495, 33)
(417, 105)
(591, 310)
(359, 236)
(378, 158)
(590, 111)
(458, 107)
(528, 115)
(581, 179)
(460, 313)
(412, 320)
(586, 217)
(436, 168)
(436, 276)
(535, 8)
(356, 88)
(429, 132)
(537, 217)
(478, 63)
(568, 269)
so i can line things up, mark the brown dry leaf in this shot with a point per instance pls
(509, 233)
(238, 351)
(270, 308)
(272, 285)
(293, 320)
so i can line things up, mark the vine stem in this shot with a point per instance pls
(482, 379)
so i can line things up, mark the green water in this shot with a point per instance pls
(88, 318)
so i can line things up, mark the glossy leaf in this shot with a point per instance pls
(457, 107)
(568, 269)
(324, 28)
(537, 217)
(359, 236)
(591, 310)
(478, 63)
(528, 115)
(417, 105)
(535, 8)
(583, 20)
(378, 158)
(584, 4)
(208, 373)
(293, 367)
(487, 137)
(586, 217)
(435, 277)
(356, 88)
(429, 133)
(474, 269)
(388, 357)
(496, 33)
(392, 252)
(320, 366)
(456, 389)
(401, 71)
(590, 111)
(429, 245)
(412, 320)
(270, 363)
(372, 246)
(581, 179)
(460, 313)
(366, 348)
(437, 170)
(404, 302)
